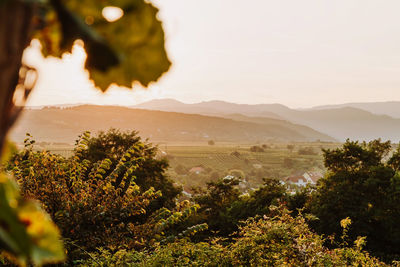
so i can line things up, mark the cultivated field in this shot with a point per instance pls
(194, 164)
(277, 160)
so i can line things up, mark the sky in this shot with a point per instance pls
(297, 53)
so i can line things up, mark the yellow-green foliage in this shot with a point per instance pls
(27, 233)
(281, 240)
(97, 205)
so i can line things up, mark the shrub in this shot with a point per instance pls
(281, 240)
(284, 240)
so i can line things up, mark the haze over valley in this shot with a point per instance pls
(170, 120)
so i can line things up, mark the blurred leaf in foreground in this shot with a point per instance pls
(128, 49)
(25, 229)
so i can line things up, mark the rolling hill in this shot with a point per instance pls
(339, 122)
(65, 124)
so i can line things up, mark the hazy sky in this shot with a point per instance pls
(298, 53)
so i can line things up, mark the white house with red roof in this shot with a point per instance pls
(303, 179)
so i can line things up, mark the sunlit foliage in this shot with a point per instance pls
(99, 204)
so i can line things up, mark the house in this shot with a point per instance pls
(303, 179)
(298, 180)
(229, 177)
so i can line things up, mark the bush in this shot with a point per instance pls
(284, 240)
(281, 240)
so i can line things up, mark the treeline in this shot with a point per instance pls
(115, 206)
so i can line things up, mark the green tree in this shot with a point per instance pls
(363, 184)
(91, 208)
(113, 144)
(223, 206)
(214, 203)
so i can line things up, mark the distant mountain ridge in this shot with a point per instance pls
(338, 122)
(390, 108)
(215, 107)
(54, 124)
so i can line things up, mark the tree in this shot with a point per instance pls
(113, 144)
(290, 147)
(222, 206)
(115, 54)
(364, 185)
(98, 204)
(214, 203)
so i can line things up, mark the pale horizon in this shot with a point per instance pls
(296, 54)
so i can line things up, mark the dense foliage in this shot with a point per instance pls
(99, 204)
(281, 240)
(107, 218)
(363, 184)
(223, 206)
(113, 144)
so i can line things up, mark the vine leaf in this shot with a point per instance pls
(122, 52)
(25, 229)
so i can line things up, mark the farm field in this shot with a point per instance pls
(195, 164)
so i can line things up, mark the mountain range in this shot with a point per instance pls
(390, 108)
(357, 121)
(172, 120)
(55, 124)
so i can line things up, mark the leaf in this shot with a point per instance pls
(8, 150)
(136, 39)
(26, 231)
